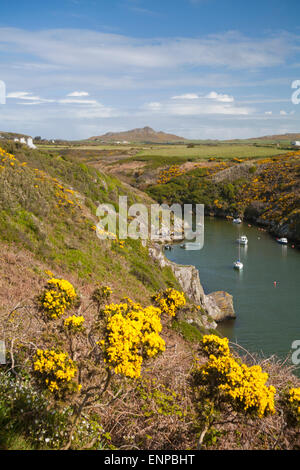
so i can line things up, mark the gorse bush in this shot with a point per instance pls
(132, 335)
(56, 370)
(267, 191)
(58, 296)
(291, 400)
(226, 378)
(74, 324)
(90, 377)
(294, 397)
(89, 373)
(169, 301)
(212, 344)
(169, 173)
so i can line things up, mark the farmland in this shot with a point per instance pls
(204, 151)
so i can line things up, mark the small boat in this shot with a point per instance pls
(282, 241)
(168, 247)
(191, 246)
(237, 221)
(238, 265)
(243, 240)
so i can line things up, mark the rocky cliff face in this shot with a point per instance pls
(217, 305)
(221, 305)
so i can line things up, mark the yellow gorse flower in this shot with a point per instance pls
(212, 344)
(58, 296)
(294, 398)
(107, 290)
(166, 175)
(74, 323)
(132, 334)
(245, 387)
(55, 369)
(170, 301)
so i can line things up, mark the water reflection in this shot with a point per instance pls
(284, 251)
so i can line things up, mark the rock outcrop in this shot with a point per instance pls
(217, 305)
(220, 305)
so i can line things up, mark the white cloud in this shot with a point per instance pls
(29, 103)
(24, 95)
(187, 96)
(78, 93)
(155, 106)
(201, 106)
(283, 113)
(268, 113)
(46, 61)
(220, 97)
(202, 109)
(75, 101)
(94, 50)
(192, 104)
(87, 108)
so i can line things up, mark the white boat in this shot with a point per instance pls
(243, 240)
(282, 241)
(191, 246)
(237, 221)
(238, 265)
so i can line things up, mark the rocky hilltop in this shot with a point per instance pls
(143, 135)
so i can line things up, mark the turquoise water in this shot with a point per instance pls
(268, 317)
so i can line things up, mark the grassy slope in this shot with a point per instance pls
(46, 217)
(47, 207)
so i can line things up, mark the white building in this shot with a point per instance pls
(296, 143)
(29, 142)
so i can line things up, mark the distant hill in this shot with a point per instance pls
(288, 136)
(143, 135)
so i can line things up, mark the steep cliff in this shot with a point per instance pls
(217, 305)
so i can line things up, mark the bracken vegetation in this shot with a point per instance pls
(103, 349)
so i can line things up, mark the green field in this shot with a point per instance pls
(163, 155)
(56, 147)
(207, 151)
(156, 155)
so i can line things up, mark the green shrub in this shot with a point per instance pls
(190, 331)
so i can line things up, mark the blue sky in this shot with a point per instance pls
(197, 68)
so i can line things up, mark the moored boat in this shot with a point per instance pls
(238, 265)
(282, 241)
(243, 240)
